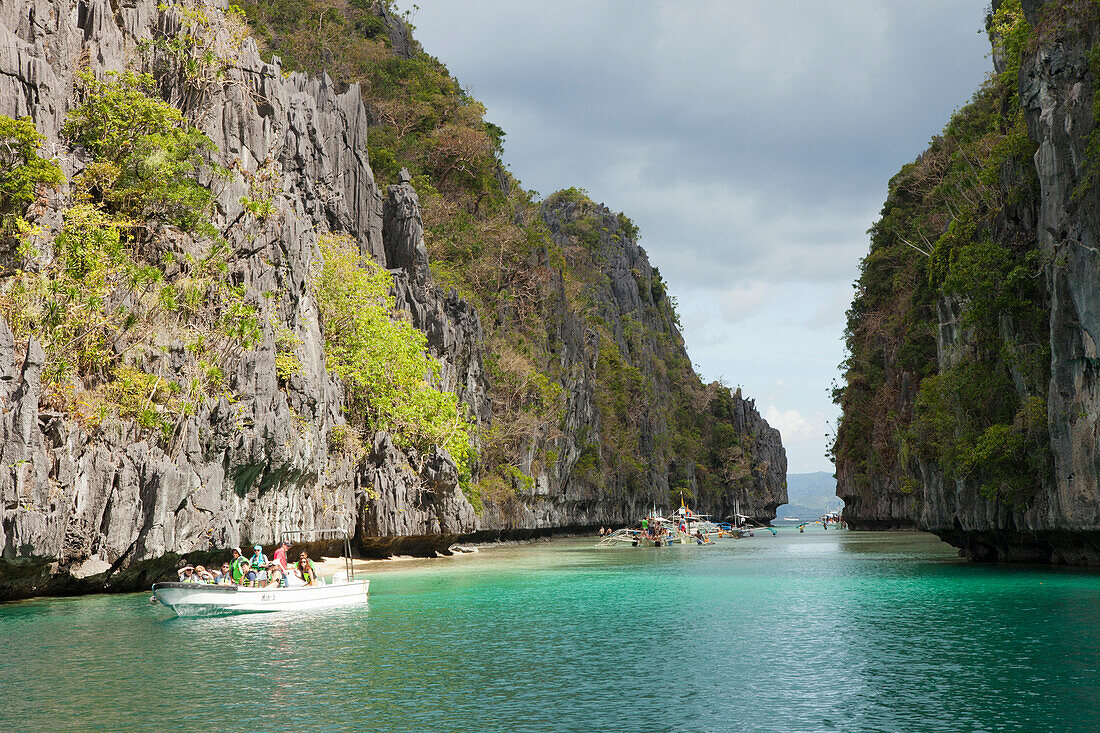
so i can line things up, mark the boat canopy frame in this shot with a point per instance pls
(340, 533)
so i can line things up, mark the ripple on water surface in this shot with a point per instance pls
(839, 631)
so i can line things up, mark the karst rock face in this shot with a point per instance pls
(87, 509)
(1057, 90)
(1060, 522)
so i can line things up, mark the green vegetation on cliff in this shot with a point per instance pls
(146, 155)
(137, 265)
(383, 361)
(24, 174)
(99, 304)
(487, 239)
(954, 258)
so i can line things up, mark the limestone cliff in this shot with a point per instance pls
(109, 505)
(629, 387)
(970, 408)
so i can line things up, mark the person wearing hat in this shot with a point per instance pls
(259, 559)
(280, 556)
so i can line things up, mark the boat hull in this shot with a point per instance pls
(197, 599)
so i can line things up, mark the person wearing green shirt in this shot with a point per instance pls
(235, 565)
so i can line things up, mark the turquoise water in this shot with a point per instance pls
(822, 631)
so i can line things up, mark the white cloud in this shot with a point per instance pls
(779, 390)
(795, 427)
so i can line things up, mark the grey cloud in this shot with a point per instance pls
(752, 142)
(797, 89)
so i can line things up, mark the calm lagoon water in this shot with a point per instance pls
(825, 631)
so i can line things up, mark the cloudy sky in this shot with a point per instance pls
(751, 141)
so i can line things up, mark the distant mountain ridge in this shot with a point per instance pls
(809, 495)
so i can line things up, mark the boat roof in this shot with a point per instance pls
(339, 531)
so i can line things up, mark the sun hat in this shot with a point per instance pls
(238, 550)
(257, 547)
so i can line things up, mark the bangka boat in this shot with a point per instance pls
(834, 518)
(743, 526)
(684, 528)
(662, 532)
(205, 599)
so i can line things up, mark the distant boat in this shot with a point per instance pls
(835, 518)
(685, 528)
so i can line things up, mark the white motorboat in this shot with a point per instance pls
(203, 599)
(206, 599)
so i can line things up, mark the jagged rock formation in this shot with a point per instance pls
(628, 318)
(1057, 89)
(86, 509)
(1056, 516)
(398, 33)
(99, 506)
(452, 326)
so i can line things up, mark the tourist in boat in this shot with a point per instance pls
(307, 570)
(248, 575)
(293, 577)
(276, 578)
(187, 574)
(235, 565)
(204, 575)
(259, 559)
(280, 556)
(225, 577)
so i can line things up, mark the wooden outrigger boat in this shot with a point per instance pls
(835, 518)
(684, 528)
